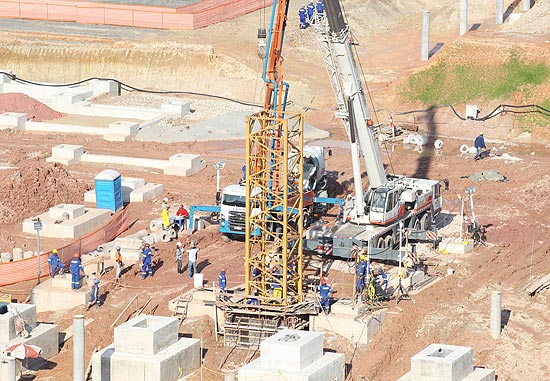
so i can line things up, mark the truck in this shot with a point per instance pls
(233, 198)
(394, 207)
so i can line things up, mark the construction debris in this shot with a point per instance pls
(538, 285)
(490, 175)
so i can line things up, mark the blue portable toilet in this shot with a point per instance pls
(108, 190)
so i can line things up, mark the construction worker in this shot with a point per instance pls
(193, 253)
(165, 218)
(382, 279)
(255, 272)
(179, 258)
(54, 263)
(181, 217)
(146, 262)
(310, 12)
(76, 270)
(479, 143)
(222, 280)
(94, 295)
(118, 263)
(325, 292)
(320, 10)
(349, 203)
(302, 13)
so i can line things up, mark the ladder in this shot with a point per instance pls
(180, 309)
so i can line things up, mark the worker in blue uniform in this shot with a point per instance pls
(94, 295)
(303, 17)
(76, 270)
(479, 143)
(54, 263)
(222, 280)
(146, 266)
(320, 10)
(382, 279)
(325, 292)
(310, 11)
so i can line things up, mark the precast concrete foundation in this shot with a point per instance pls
(55, 294)
(294, 355)
(441, 362)
(147, 348)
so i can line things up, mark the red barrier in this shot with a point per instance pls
(189, 17)
(25, 269)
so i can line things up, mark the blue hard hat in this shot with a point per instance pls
(380, 271)
(96, 281)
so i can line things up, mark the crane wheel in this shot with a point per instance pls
(388, 242)
(381, 243)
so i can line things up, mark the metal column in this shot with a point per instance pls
(526, 5)
(425, 47)
(500, 12)
(463, 16)
(78, 348)
(496, 311)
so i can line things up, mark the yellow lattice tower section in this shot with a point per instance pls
(274, 208)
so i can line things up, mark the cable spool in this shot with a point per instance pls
(464, 148)
(438, 144)
(155, 225)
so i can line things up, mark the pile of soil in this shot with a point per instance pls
(35, 110)
(46, 184)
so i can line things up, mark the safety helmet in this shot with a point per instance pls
(76, 255)
(363, 257)
(54, 251)
(96, 281)
(380, 271)
(165, 199)
(323, 281)
(117, 248)
(192, 243)
(223, 270)
(147, 245)
(481, 133)
(178, 244)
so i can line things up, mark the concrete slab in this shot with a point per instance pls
(441, 362)
(146, 335)
(13, 120)
(7, 321)
(346, 307)
(453, 246)
(66, 211)
(357, 330)
(121, 131)
(46, 297)
(176, 107)
(183, 164)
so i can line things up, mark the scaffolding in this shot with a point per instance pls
(274, 208)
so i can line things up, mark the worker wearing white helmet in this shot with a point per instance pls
(179, 257)
(165, 203)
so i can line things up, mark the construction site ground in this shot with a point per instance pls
(221, 60)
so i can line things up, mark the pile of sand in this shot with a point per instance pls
(35, 110)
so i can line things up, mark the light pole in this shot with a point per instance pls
(38, 227)
(218, 166)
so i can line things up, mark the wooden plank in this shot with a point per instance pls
(533, 286)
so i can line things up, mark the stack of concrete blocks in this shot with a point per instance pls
(121, 131)
(183, 164)
(294, 355)
(68, 221)
(147, 348)
(351, 322)
(45, 336)
(13, 120)
(441, 362)
(133, 190)
(56, 294)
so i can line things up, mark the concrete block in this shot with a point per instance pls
(66, 154)
(75, 228)
(415, 277)
(17, 253)
(28, 254)
(7, 321)
(46, 297)
(481, 374)
(70, 97)
(64, 282)
(406, 377)
(101, 364)
(346, 307)
(4, 78)
(66, 211)
(514, 17)
(359, 330)
(89, 196)
(14, 120)
(183, 164)
(6, 257)
(453, 246)
(176, 107)
(147, 192)
(146, 335)
(132, 183)
(441, 362)
(45, 336)
(8, 368)
(293, 348)
(102, 86)
(121, 131)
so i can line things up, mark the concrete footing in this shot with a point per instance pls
(294, 355)
(133, 190)
(68, 221)
(454, 246)
(180, 164)
(147, 348)
(441, 362)
(56, 294)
